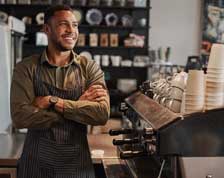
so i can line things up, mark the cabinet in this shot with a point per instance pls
(8, 172)
(139, 17)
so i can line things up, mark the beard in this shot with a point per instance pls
(61, 47)
(55, 41)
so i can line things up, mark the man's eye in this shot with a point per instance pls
(62, 24)
(75, 25)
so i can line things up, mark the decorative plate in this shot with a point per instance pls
(94, 16)
(78, 15)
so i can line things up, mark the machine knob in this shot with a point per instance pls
(151, 149)
(148, 131)
(151, 141)
(132, 154)
(120, 131)
(151, 145)
(123, 107)
(125, 141)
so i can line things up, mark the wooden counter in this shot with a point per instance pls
(11, 149)
(102, 142)
(113, 166)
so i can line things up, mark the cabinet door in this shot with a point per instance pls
(7, 172)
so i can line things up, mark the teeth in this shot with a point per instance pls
(68, 38)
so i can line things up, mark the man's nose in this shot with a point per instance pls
(70, 28)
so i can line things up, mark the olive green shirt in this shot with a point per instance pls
(25, 115)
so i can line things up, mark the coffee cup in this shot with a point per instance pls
(105, 60)
(97, 59)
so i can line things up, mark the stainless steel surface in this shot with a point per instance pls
(153, 113)
(165, 135)
(5, 77)
(10, 54)
(10, 148)
(186, 135)
(116, 168)
(202, 167)
(197, 135)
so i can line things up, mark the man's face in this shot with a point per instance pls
(62, 30)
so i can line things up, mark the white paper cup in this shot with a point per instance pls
(216, 58)
(105, 60)
(215, 76)
(188, 111)
(215, 71)
(195, 102)
(97, 59)
(195, 82)
(97, 153)
(215, 89)
(212, 107)
(194, 97)
(194, 107)
(115, 60)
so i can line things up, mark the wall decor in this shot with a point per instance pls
(104, 41)
(94, 16)
(81, 40)
(114, 41)
(93, 39)
(213, 24)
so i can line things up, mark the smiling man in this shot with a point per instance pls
(56, 95)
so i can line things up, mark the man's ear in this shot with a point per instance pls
(46, 28)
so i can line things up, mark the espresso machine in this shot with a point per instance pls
(158, 143)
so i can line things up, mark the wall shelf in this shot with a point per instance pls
(114, 73)
(41, 6)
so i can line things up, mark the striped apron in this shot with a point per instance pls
(61, 151)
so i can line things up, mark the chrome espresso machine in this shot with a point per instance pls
(158, 143)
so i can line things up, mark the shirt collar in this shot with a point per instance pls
(44, 58)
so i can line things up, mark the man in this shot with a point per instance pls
(55, 95)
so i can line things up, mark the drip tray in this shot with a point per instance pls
(99, 170)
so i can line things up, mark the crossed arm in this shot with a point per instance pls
(29, 111)
(94, 93)
(95, 96)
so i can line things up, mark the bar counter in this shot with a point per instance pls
(11, 149)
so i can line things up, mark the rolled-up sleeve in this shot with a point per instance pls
(23, 113)
(87, 112)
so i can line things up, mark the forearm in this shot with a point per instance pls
(23, 112)
(28, 116)
(87, 112)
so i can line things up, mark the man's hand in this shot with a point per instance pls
(59, 106)
(94, 93)
(42, 102)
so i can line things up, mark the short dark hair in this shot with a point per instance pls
(52, 9)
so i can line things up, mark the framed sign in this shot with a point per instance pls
(213, 24)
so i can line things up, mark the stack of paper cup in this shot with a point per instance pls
(215, 78)
(195, 91)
